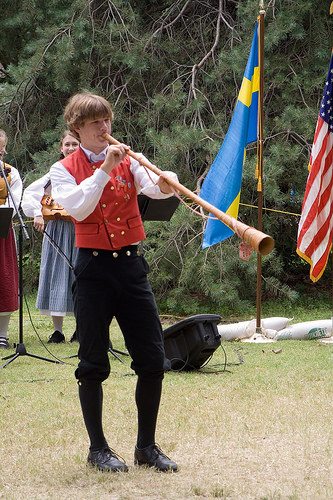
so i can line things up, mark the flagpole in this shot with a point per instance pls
(258, 336)
(259, 173)
(331, 338)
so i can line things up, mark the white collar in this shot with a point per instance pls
(92, 157)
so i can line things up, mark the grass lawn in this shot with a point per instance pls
(259, 429)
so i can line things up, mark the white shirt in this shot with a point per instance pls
(33, 194)
(81, 200)
(16, 188)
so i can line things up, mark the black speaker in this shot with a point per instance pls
(191, 341)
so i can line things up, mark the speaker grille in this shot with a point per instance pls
(190, 342)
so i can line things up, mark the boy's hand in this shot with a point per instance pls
(164, 186)
(115, 155)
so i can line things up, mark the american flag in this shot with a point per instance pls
(316, 223)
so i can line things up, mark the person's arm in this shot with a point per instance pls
(31, 201)
(33, 194)
(149, 183)
(16, 188)
(79, 200)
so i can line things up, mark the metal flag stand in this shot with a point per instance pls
(329, 340)
(258, 335)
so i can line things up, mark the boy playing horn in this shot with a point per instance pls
(98, 185)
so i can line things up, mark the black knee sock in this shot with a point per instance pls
(147, 397)
(91, 399)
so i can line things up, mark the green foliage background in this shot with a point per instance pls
(172, 70)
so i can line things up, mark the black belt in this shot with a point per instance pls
(124, 251)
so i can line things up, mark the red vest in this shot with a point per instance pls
(116, 220)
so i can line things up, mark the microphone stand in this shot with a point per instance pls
(110, 350)
(20, 347)
(114, 351)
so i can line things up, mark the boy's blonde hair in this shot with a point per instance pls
(86, 106)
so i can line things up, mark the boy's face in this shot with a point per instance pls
(91, 134)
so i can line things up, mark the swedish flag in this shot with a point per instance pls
(222, 184)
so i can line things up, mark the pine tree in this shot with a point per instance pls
(172, 71)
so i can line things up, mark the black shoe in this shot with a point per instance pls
(106, 460)
(4, 344)
(152, 456)
(74, 337)
(56, 338)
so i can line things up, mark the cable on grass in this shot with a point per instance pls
(199, 370)
(41, 340)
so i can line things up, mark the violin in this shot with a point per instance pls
(7, 171)
(51, 210)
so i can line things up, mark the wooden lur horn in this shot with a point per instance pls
(261, 242)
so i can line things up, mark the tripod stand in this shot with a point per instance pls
(114, 352)
(20, 347)
(111, 351)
